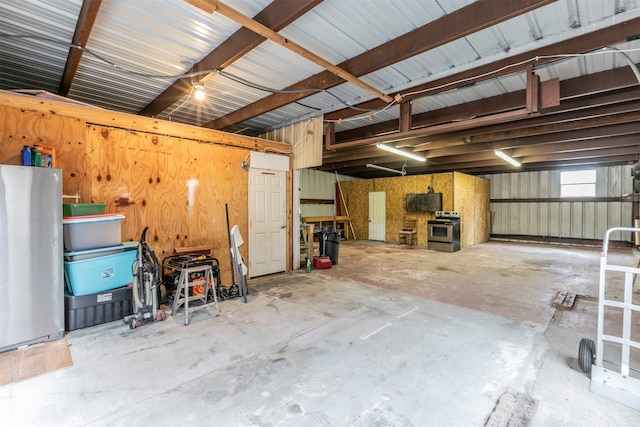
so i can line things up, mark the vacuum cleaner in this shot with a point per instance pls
(146, 274)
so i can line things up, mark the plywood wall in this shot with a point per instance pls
(177, 187)
(460, 192)
(357, 199)
(471, 199)
(66, 135)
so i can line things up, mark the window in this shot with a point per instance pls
(578, 183)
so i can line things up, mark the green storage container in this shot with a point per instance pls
(81, 209)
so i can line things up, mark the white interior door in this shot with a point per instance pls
(377, 215)
(267, 222)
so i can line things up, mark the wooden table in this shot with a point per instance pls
(334, 221)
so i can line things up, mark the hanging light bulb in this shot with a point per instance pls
(199, 87)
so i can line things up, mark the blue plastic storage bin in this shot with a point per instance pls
(99, 274)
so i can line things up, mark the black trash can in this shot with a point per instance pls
(329, 243)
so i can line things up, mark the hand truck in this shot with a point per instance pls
(620, 385)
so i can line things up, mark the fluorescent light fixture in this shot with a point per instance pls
(382, 168)
(400, 152)
(199, 87)
(507, 158)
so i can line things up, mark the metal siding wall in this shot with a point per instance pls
(585, 220)
(543, 184)
(554, 183)
(601, 218)
(576, 220)
(565, 220)
(534, 221)
(588, 221)
(319, 185)
(554, 219)
(543, 219)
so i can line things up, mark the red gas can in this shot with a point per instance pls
(321, 262)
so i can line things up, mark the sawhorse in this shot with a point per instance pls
(203, 276)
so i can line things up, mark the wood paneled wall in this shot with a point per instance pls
(460, 192)
(471, 197)
(177, 187)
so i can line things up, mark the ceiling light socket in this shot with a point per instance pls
(199, 87)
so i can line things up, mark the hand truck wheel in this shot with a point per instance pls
(586, 354)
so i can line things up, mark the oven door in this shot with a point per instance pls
(440, 232)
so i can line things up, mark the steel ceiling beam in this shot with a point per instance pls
(622, 121)
(533, 147)
(577, 150)
(539, 149)
(551, 165)
(589, 157)
(87, 17)
(592, 86)
(601, 128)
(561, 138)
(587, 139)
(470, 19)
(612, 35)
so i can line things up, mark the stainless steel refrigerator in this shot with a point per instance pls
(31, 256)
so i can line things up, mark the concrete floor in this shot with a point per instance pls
(391, 336)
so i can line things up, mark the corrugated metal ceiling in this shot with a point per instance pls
(137, 49)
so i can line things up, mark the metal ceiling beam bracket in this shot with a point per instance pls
(268, 33)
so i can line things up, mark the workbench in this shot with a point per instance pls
(338, 222)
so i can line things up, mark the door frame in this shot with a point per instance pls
(272, 163)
